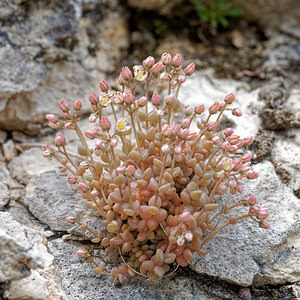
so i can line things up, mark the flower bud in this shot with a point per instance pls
(181, 79)
(199, 109)
(248, 140)
(70, 220)
(93, 98)
(156, 100)
(59, 140)
(185, 216)
(183, 133)
(104, 86)
(52, 118)
(128, 98)
(185, 123)
(211, 126)
(214, 108)
(114, 142)
(166, 58)
(72, 179)
(92, 119)
(165, 148)
(252, 200)
(252, 174)
(264, 224)
(121, 80)
(229, 98)
(228, 131)
(130, 170)
(82, 253)
(189, 69)
(105, 123)
(189, 236)
(170, 100)
(77, 105)
(91, 134)
(177, 61)
(142, 101)
(216, 139)
(64, 106)
(126, 73)
(157, 68)
(237, 112)
(83, 187)
(180, 241)
(148, 62)
(177, 150)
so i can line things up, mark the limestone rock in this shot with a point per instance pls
(25, 250)
(9, 150)
(51, 199)
(163, 7)
(202, 88)
(244, 253)
(47, 44)
(276, 14)
(79, 282)
(18, 256)
(30, 163)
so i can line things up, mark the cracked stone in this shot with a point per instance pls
(42, 283)
(9, 150)
(246, 254)
(30, 163)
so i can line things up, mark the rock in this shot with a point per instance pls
(286, 158)
(51, 199)
(202, 88)
(79, 282)
(29, 251)
(3, 136)
(17, 255)
(47, 44)
(9, 150)
(163, 7)
(246, 254)
(30, 163)
(4, 195)
(276, 14)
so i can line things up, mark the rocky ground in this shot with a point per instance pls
(54, 49)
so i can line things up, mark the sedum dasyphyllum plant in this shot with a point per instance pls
(155, 183)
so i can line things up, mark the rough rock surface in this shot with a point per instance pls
(284, 14)
(51, 199)
(30, 163)
(203, 88)
(90, 286)
(163, 7)
(43, 44)
(26, 248)
(245, 253)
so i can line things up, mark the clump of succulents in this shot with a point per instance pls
(155, 182)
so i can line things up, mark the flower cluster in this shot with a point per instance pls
(156, 181)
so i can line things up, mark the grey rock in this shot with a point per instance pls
(203, 88)
(45, 44)
(9, 150)
(4, 195)
(27, 249)
(51, 199)
(276, 14)
(30, 163)
(17, 255)
(79, 282)
(238, 253)
(163, 7)
(3, 136)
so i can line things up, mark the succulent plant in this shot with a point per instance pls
(154, 179)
